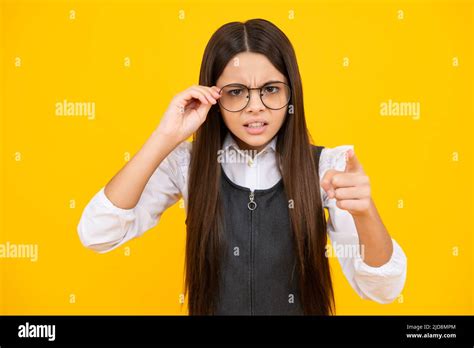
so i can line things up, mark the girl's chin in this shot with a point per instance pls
(254, 141)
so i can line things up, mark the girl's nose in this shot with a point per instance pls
(255, 103)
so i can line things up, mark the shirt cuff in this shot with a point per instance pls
(392, 268)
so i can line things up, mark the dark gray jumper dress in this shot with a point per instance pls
(258, 270)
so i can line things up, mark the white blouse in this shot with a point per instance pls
(104, 226)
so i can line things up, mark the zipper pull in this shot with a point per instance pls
(252, 205)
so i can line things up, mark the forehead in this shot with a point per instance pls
(250, 69)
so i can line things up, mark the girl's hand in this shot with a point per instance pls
(187, 112)
(350, 188)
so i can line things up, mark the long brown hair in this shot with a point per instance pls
(299, 172)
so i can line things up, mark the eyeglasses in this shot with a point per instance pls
(274, 95)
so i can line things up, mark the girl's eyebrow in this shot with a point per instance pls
(242, 84)
(272, 81)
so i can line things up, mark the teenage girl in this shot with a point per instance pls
(254, 189)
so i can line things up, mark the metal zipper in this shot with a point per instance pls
(252, 205)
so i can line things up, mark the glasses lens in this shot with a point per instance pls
(275, 95)
(234, 97)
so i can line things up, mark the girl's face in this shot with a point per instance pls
(252, 70)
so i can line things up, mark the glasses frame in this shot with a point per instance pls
(259, 94)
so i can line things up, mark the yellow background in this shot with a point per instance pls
(402, 56)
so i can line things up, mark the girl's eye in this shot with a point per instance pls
(235, 92)
(271, 89)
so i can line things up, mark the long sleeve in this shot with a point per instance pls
(381, 284)
(104, 226)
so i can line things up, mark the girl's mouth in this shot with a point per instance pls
(256, 128)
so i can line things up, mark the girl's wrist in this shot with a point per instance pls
(368, 214)
(169, 139)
